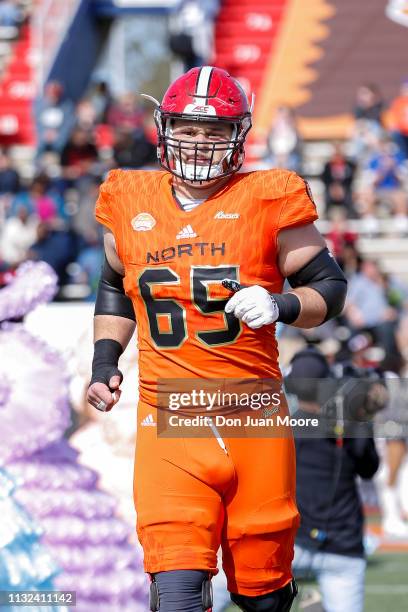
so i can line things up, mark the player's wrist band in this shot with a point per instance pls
(288, 305)
(105, 361)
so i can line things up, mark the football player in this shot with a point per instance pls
(197, 254)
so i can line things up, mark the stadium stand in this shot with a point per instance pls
(16, 78)
(322, 52)
(246, 34)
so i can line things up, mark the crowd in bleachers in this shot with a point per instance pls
(365, 177)
(50, 216)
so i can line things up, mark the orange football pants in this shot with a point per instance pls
(191, 497)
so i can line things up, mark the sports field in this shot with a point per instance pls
(387, 583)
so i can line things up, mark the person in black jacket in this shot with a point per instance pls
(329, 543)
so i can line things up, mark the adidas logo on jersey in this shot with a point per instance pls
(186, 232)
(222, 215)
(148, 421)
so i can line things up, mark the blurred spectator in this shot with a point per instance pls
(57, 248)
(125, 114)
(104, 136)
(37, 200)
(283, 142)
(192, 32)
(385, 182)
(367, 306)
(350, 259)
(9, 178)
(358, 348)
(368, 127)
(399, 119)
(395, 448)
(79, 155)
(10, 13)
(330, 348)
(133, 149)
(396, 292)
(402, 341)
(18, 234)
(364, 140)
(55, 118)
(369, 103)
(393, 524)
(83, 216)
(101, 99)
(339, 235)
(337, 176)
(86, 115)
(90, 261)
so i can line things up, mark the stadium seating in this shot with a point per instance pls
(245, 34)
(16, 82)
(320, 53)
(25, 60)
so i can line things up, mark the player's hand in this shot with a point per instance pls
(253, 306)
(104, 395)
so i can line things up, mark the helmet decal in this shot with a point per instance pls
(206, 94)
(203, 82)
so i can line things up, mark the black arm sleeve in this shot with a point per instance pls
(324, 275)
(111, 298)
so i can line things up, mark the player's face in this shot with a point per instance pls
(202, 144)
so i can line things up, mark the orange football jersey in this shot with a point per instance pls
(175, 261)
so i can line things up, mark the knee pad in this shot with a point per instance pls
(277, 601)
(181, 591)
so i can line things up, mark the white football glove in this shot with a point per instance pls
(253, 306)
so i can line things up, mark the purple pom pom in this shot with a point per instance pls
(34, 283)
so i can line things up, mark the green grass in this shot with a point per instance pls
(386, 584)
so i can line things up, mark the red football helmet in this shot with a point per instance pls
(203, 94)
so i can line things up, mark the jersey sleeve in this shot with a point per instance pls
(107, 202)
(298, 207)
